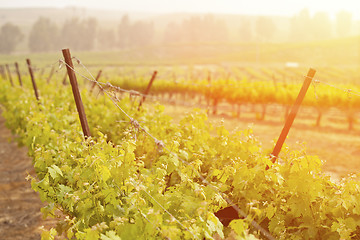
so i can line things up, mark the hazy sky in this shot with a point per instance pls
(269, 7)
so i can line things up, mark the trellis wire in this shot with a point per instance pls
(161, 144)
(136, 123)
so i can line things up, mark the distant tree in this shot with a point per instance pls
(197, 29)
(134, 34)
(191, 29)
(300, 26)
(88, 33)
(265, 28)
(213, 29)
(79, 35)
(343, 23)
(106, 39)
(321, 27)
(43, 36)
(246, 33)
(124, 31)
(10, 36)
(70, 35)
(141, 33)
(172, 33)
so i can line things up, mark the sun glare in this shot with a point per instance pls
(279, 7)
(183, 120)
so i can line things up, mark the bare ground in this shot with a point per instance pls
(20, 216)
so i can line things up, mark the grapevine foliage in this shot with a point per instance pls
(121, 184)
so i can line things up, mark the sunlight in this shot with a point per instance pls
(201, 122)
(256, 7)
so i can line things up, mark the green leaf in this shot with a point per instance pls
(110, 235)
(350, 223)
(104, 173)
(215, 225)
(239, 226)
(55, 171)
(48, 210)
(92, 234)
(184, 155)
(335, 226)
(65, 189)
(270, 211)
(48, 235)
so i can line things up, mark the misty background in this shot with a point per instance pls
(25, 30)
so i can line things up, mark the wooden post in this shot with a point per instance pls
(32, 78)
(292, 115)
(96, 79)
(64, 79)
(76, 93)
(51, 74)
(18, 73)
(41, 73)
(274, 81)
(9, 74)
(2, 72)
(208, 91)
(147, 89)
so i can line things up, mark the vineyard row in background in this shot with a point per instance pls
(241, 88)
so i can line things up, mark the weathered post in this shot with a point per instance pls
(94, 83)
(18, 73)
(50, 75)
(292, 115)
(41, 73)
(147, 89)
(64, 79)
(2, 72)
(32, 79)
(9, 74)
(76, 92)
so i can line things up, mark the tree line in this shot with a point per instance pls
(88, 34)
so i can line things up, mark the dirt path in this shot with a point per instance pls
(20, 216)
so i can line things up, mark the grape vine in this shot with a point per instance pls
(121, 184)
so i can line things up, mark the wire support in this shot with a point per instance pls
(162, 145)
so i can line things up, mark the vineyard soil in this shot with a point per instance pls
(20, 216)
